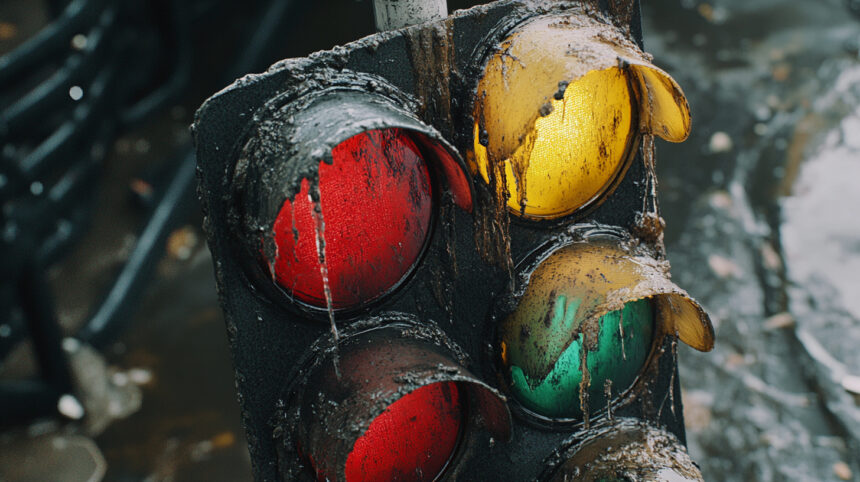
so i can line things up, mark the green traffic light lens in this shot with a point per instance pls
(581, 332)
(623, 343)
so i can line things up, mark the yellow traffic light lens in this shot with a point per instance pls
(574, 153)
(412, 440)
(388, 400)
(559, 106)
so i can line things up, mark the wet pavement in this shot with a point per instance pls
(188, 426)
(762, 229)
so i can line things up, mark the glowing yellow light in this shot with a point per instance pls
(574, 153)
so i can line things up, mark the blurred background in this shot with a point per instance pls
(104, 263)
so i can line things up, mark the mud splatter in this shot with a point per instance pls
(649, 224)
(624, 448)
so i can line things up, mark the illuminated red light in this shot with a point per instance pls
(376, 202)
(412, 440)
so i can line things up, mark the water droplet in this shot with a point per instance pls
(36, 188)
(79, 42)
(76, 93)
(69, 406)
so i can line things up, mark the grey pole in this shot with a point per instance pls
(394, 14)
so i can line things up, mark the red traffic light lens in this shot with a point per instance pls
(411, 440)
(375, 204)
(398, 407)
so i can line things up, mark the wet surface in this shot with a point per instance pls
(760, 206)
(760, 224)
(188, 425)
(629, 448)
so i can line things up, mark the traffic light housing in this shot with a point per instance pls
(439, 252)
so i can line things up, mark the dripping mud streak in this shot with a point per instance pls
(501, 220)
(649, 224)
(672, 378)
(431, 52)
(621, 331)
(651, 173)
(320, 244)
(520, 166)
(607, 388)
(586, 378)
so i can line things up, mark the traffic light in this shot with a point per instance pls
(439, 252)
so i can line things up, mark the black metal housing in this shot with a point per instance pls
(455, 287)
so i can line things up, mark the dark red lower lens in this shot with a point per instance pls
(375, 204)
(412, 440)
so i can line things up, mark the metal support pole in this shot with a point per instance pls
(394, 14)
